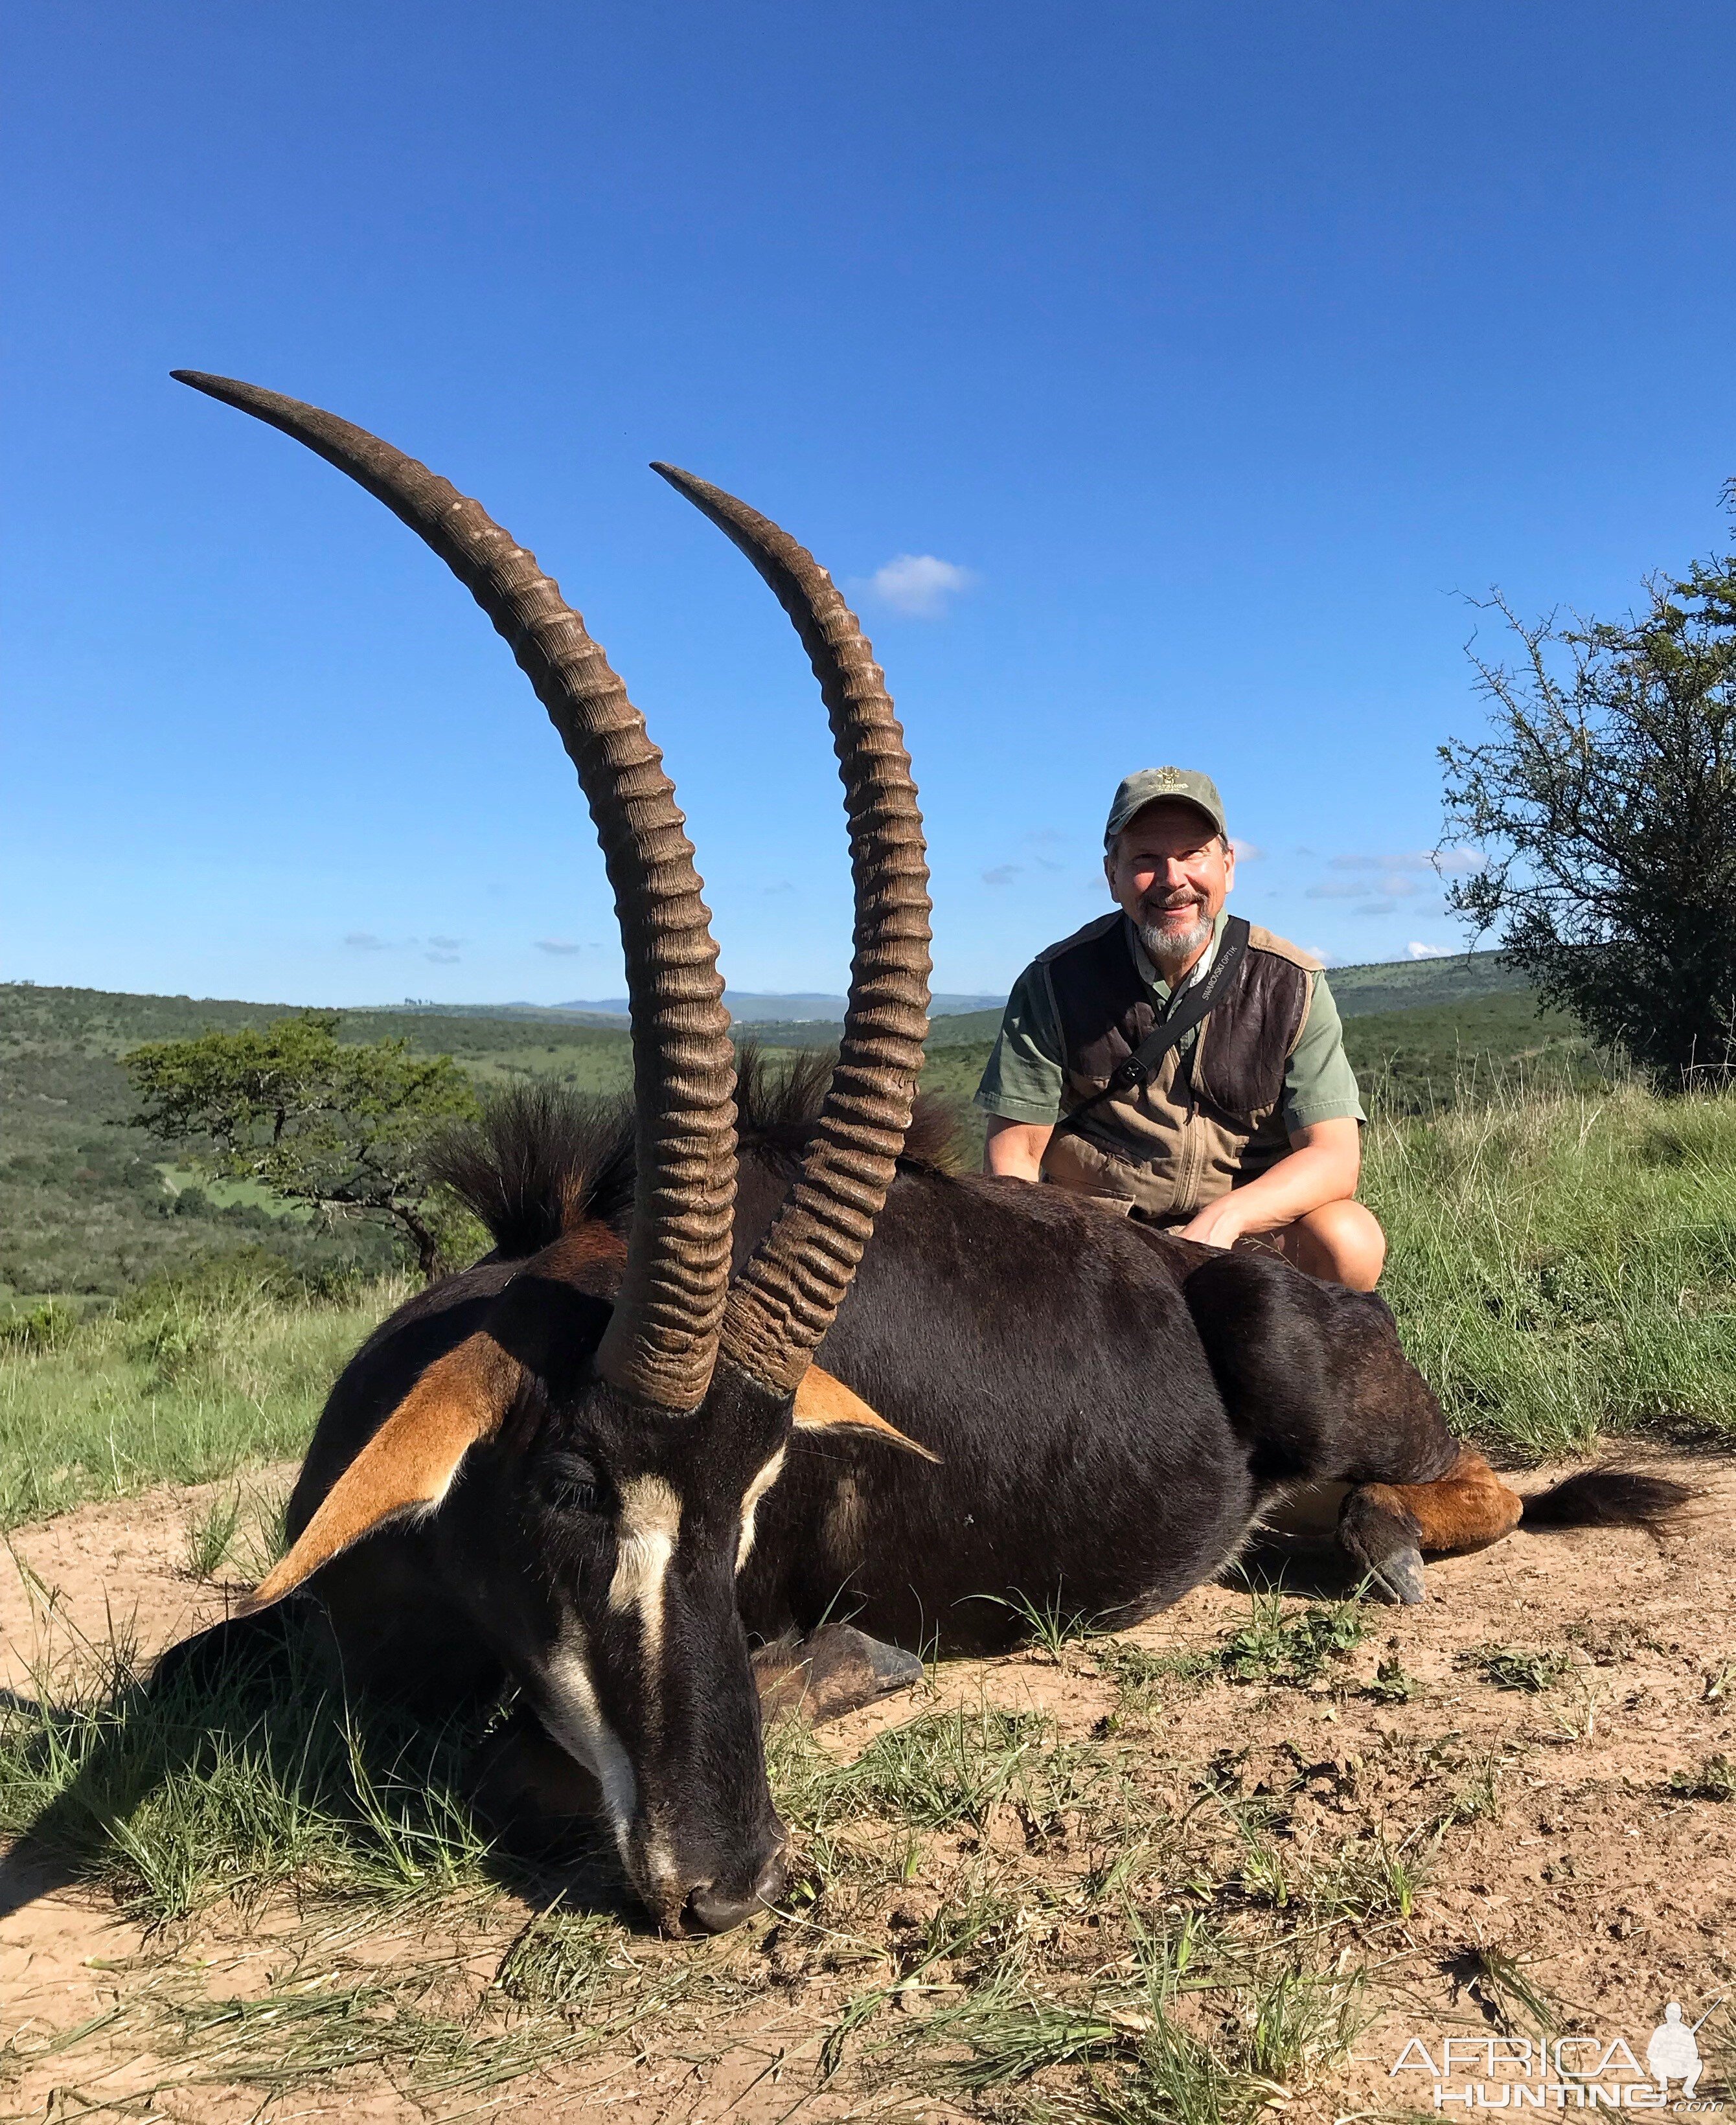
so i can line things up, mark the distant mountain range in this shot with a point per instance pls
(753, 1007)
(790, 1020)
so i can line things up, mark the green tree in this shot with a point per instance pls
(344, 1127)
(1604, 803)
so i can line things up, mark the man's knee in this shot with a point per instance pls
(1342, 1241)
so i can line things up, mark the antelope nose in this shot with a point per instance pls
(712, 1908)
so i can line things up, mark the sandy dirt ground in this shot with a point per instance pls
(1598, 1871)
(115, 1573)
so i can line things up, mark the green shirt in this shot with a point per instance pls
(1026, 1071)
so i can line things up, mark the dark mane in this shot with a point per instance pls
(544, 1159)
(778, 1094)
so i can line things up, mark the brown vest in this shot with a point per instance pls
(1208, 1119)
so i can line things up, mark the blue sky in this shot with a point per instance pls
(1158, 380)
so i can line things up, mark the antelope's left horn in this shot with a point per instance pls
(784, 1297)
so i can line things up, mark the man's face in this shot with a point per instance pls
(1172, 872)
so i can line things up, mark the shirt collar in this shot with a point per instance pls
(1197, 973)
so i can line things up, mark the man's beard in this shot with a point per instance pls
(1169, 947)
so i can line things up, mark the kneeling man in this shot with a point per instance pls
(1176, 1060)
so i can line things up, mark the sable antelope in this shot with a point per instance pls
(653, 1466)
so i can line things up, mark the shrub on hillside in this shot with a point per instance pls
(339, 1125)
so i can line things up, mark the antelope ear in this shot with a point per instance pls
(407, 1466)
(822, 1402)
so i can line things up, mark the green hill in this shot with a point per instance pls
(1411, 984)
(91, 1207)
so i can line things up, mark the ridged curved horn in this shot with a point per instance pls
(661, 1343)
(784, 1299)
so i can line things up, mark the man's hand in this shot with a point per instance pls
(1323, 1166)
(1015, 1150)
(1219, 1224)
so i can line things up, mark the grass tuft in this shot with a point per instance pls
(949, 1767)
(1517, 2001)
(1277, 1648)
(1391, 1685)
(560, 1961)
(1715, 1779)
(210, 1532)
(1530, 1669)
(175, 1796)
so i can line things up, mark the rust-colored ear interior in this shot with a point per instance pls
(822, 1402)
(407, 1466)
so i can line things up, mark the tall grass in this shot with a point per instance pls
(187, 1380)
(1562, 1260)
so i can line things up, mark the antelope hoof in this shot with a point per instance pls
(1387, 1546)
(1398, 1577)
(836, 1671)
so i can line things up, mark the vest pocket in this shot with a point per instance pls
(1074, 1161)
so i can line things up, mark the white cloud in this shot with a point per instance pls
(1246, 851)
(364, 940)
(1417, 951)
(1450, 863)
(919, 585)
(1395, 885)
(1377, 908)
(558, 947)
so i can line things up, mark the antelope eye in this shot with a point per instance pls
(570, 1483)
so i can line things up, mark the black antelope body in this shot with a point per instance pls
(605, 1458)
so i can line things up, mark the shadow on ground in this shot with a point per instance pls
(238, 1763)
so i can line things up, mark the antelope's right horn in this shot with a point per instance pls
(662, 1344)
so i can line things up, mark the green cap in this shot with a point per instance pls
(1151, 785)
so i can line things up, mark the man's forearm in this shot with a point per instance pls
(1300, 1182)
(1325, 1171)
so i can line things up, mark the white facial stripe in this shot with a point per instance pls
(659, 1865)
(751, 1498)
(574, 1717)
(646, 1532)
